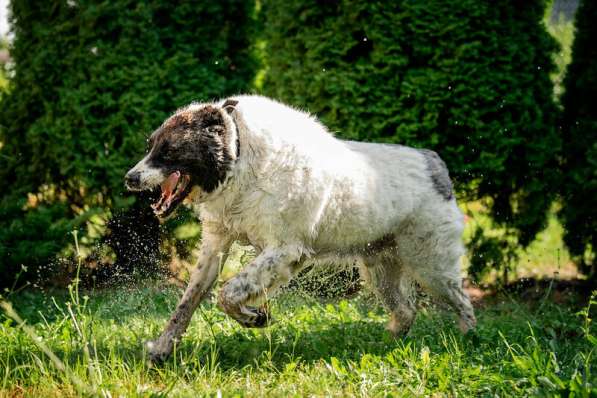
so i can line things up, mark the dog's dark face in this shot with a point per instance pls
(191, 149)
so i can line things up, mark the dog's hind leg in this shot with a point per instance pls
(272, 268)
(214, 249)
(395, 288)
(431, 249)
(448, 287)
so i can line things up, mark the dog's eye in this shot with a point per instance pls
(149, 143)
(164, 151)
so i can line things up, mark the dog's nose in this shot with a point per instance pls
(132, 179)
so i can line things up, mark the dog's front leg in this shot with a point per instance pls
(271, 268)
(214, 249)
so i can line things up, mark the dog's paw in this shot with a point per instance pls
(255, 318)
(157, 351)
(399, 325)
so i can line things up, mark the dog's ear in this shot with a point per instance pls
(229, 105)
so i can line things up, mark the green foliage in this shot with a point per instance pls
(3, 78)
(469, 79)
(562, 30)
(487, 252)
(92, 80)
(24, 253)
(579, 131)
(493, 256)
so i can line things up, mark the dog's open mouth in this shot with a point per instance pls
(174, 189)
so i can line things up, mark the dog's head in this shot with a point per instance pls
(196, 147)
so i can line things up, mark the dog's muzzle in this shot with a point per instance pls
(132, 180)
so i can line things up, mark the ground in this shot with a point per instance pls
(524, 346)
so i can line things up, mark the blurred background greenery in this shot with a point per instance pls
(502, 90)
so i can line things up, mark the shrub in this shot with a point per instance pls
(469, 79)
(91, 80)
(579, 152)
(26, 239)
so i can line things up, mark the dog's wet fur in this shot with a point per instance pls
(272, 176)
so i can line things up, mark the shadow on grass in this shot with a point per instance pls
(240, 348)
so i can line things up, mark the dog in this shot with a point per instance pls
(264, 173)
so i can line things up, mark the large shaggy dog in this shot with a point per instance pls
(270, 175)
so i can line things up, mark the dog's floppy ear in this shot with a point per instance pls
(229, 105)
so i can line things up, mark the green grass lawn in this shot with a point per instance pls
(520, 348)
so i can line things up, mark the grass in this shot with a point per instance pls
(314, 349)
(521, 347)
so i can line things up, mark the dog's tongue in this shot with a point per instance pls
(170, 183)
(168, 187)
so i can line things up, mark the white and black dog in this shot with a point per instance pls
(273, 176)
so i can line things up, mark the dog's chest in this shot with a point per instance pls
(244, 219)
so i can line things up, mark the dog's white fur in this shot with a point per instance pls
(300, 195)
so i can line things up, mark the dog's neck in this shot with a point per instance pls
(199, 196)
(237, 137)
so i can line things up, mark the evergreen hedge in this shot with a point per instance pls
(467, 78)
(91, 81)
(579, 151)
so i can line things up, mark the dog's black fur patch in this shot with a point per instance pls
(438, 172)
(194, 143)
(229, 105)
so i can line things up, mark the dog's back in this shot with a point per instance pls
(344, 193)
